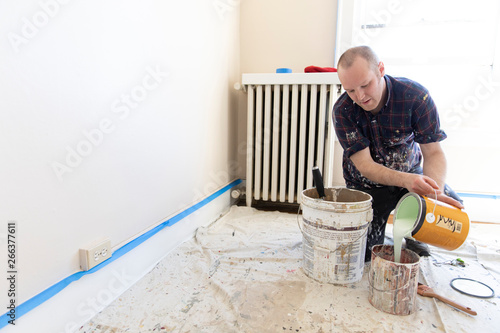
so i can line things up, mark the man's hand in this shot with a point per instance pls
(427, 186)
(449, 200)
(420, 184)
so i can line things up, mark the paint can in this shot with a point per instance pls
(393, 286)
(334, 234)
(434, 222)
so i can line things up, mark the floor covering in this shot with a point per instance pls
(243, 274)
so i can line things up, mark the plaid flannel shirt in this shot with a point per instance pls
(408, 117)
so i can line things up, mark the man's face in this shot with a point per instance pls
(363, 84)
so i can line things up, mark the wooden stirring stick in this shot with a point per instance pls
(427, 291)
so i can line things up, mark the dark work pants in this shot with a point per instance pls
(385, 199)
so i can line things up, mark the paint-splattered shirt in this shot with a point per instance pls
(408, 117)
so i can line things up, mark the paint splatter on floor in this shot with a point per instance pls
(243, 274)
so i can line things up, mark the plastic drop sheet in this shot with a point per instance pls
(244, 274)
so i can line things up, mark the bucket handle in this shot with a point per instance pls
(369, 216)
(390, 290)
(298, 222)
(340, 246)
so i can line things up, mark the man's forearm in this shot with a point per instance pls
(434, 165)
(380, 174)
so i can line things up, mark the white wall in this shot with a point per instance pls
(113, 116)
(282, 33)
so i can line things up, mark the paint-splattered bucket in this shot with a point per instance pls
(393, 286)
(435, 223)
(334, 234)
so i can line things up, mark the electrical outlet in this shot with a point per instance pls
(95, 254)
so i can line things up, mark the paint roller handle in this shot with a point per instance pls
(427, 291)
(318, 181)
(456, 305)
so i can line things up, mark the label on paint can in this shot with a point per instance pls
(448, 223)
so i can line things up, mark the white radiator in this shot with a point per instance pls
(289, 131)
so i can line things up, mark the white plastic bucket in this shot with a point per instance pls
(334, 234)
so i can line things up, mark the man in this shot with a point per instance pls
(388, 127)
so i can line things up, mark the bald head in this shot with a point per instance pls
(362, 77)
(365, 52)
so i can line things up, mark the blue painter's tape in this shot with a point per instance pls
(283, 70)
(48, 293)
(479, 195)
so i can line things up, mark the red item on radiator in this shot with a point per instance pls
(316, 69)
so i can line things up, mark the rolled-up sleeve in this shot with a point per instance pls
(425, 121)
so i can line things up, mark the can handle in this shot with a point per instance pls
(431, 217)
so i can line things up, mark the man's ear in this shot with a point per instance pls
(381, 68)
